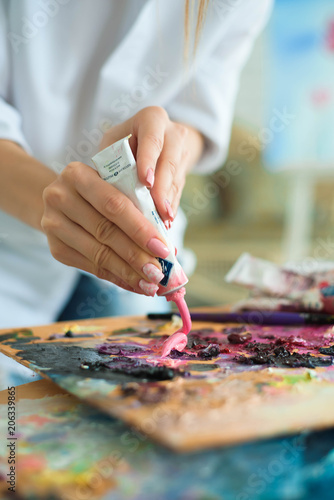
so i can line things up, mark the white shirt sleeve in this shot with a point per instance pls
(208, 100)
(10, 119)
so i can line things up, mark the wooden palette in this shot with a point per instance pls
(203, 402)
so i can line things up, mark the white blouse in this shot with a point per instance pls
(69, 69)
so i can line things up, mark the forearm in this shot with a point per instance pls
(22, 182)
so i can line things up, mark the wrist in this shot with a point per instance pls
(23, 180)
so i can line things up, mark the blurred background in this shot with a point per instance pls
(274, 195)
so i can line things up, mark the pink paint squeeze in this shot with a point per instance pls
(117, 166)
(179, 339)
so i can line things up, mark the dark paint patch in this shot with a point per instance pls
(239, 338)
(121, 349)
(175, 354)
(137, 368)
(64, 359)
(327, 350)
(273, 354)
(211, 351)
(199, 340)
(201, 367)
(70, 334)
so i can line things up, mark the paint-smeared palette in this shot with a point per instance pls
(232, 383)
(69, 450)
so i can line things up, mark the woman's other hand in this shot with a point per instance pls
(165, 152)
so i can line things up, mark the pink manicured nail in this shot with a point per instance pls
(158, 248)
(169, 209)
(166, 224)
(148, 288)
(150, 177)
(153, 273)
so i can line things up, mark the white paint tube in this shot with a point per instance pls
(116, 165)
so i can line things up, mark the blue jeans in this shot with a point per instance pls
(93, 298)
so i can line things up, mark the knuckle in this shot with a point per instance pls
(176, 189)
(44, 224)
(100, 257)
(186, 155)
(172, 165)
(73, 172)
(57, 252)
(54, 195)
(133, 255)
(50, 224)
(105, 230)
(71, 169)
(141, 233)
(115, 205)
(181, 130)
(156, 141)
(127, 275)
(158, 111)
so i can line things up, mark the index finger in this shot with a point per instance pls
(116, 207)
(150, 132)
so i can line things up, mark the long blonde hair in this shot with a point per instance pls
(188, 19)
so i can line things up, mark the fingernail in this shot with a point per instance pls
(166, 224)
(148, 288)
(158, 248)
(169, 209)
(175, 251)
(153, 273)
(150, 177)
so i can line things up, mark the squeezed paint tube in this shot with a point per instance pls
(276, 288)
(116, 165)
(267, 277)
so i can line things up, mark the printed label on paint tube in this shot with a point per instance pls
(117, 166)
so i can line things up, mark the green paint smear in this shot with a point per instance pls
(295, 379)
(126, 330)
(24, 332)
(201, 367)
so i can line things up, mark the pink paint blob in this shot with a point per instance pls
(179, 339)
(176, 341)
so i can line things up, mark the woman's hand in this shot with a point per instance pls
(164, 150)
(93, 226)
